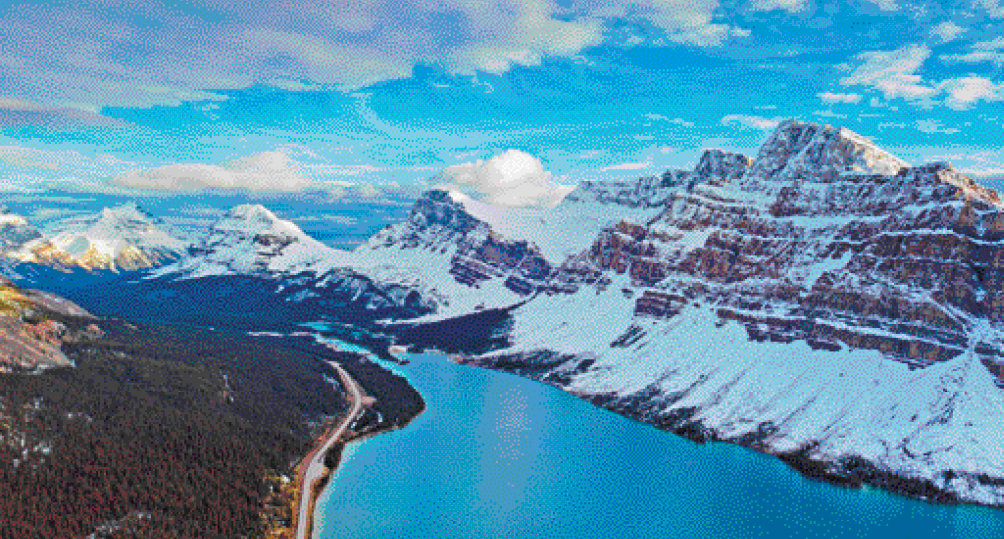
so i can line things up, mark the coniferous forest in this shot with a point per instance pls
(169, 431)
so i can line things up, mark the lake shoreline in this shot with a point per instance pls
(851, 473)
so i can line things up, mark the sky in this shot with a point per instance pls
(370, 100)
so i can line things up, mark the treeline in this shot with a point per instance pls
(177, 424)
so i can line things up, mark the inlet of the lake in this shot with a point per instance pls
(497, 455)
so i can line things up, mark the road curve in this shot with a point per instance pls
(316, 468)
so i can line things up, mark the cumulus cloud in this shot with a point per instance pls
(751, 122)
(266, 171)
(833, 97)
(511, 178)
(948, 31)
(791, 6)
(963, 92)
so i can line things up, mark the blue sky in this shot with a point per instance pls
(367, 98)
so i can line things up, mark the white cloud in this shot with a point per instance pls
(934, 126)
(640, 165)
(686, 21)
(511, 178)
(992, 7)
(174, 53)
(833, 97)
(526, 32)
(886, 5)
(791, 6)
(948, 31)
(266, 171)
(19, 112)
(894, 73)
(963, 92)
(751, 122)
(660, 118)
(983, 51)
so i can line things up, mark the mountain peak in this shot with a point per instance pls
(255, 212)
(255, 219)
(10, 219)
(798, 150)
(116, 237)
(721, 166)
(252, 240)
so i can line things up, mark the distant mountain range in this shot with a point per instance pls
(117, 238)
(824, 301)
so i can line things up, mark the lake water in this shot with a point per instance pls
(497, 455)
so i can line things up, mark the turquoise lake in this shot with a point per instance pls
(497, 455)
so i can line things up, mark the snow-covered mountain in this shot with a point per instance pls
(251, 240)
(119, 238)
(825, 302)
(15, 231)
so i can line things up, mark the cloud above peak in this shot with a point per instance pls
(511, 178)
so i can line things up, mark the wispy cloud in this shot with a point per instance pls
(677, 121)
(750, 122)
(636, 165)
(16, 113)
(834, 97)
(894, 73)
(982, 51)
(934, 126)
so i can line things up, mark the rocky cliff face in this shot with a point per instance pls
(29, 339)
(826, 302)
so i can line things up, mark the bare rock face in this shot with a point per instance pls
(718, 167)
(28, 340)
(478, 253)
(820, 153)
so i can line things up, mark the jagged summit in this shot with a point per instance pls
(801, 150)
(120, 237)
(250, 239)
(256, 219)
(720, 166)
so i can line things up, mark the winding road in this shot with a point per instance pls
(316, 467)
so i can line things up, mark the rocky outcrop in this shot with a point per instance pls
(29, 339)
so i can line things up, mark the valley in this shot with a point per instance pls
(823, 302)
